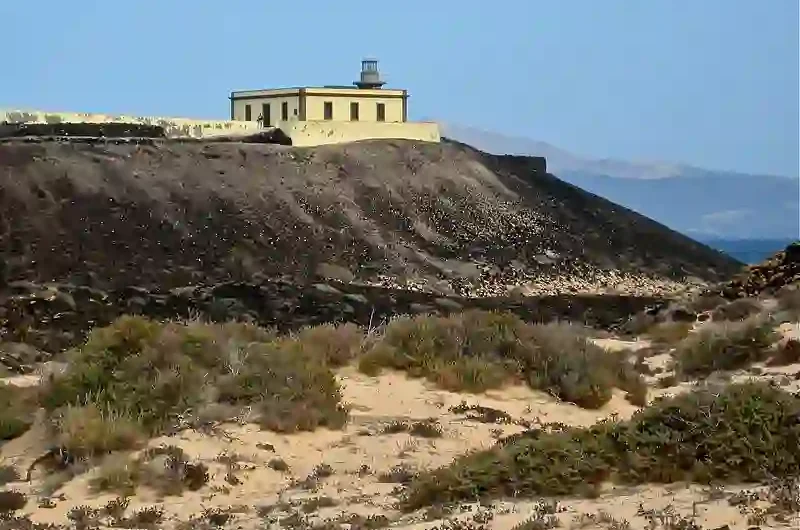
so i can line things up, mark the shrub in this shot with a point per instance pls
(8, 474)
(11, 501)
(482, 414)
(739, 309)
(278, 464)
(706, 302)
(461, 352)
(89, 430)
(471, 374)
(17, 407)
(315, 503)
(745, 432)
(669, 332)
(137, 371)
(117, 473)
(166, 469)
(148, 517)
(725, 346)
(787, 353)
(789, 301)
(336, 345)
(426, 429)
(478, 350)
(429, 428)
(115, 509)
(399, 474)
(137, 368)
(638, 324)
(293, 390)
(565, 364)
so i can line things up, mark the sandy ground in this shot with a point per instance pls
(360, 453)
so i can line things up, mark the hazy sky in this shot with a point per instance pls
(708, 82)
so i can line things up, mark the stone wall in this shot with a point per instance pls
(301, 133)
(173, 127)
(319, 132)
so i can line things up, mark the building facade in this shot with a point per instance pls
(306, 116)
(366, 101)
(333, 114)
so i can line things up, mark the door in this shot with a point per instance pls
(266, 114)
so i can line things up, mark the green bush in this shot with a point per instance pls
(145, 375)
(669, 332)
(725, 346)
(335, 344)
(293, 389)
(787, 353)
(478, 350)
(470, 351)
(562, 362)
(746, 432)
(87, 430)
(166, 470)
(739, 309)
(789, 301)
(17, 407)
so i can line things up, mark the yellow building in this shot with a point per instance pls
(335, 113)
(366, 101)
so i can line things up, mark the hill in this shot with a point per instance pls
(437, 217)
(713, 204)
(312, 398)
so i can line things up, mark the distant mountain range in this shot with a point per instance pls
(707, 205)
(749, 251)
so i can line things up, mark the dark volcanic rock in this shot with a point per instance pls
(780, 270)
(20, 358)
(56, 317)
(437, 217)
(109, 130)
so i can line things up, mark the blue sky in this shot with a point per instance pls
(712, 83)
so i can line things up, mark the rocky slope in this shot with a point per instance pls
(767, 277)
(37, 319)
(440, 218)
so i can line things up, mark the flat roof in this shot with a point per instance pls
(323, 90)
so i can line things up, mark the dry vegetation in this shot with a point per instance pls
(478, 351)
(726, 346)
(138, 379)
(700, 436)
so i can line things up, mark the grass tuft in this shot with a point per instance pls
(87, 430)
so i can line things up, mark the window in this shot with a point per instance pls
(381, 112)
(354, 111)
(328, 110)
(247, 113)
(285, 111)
(265, 113)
